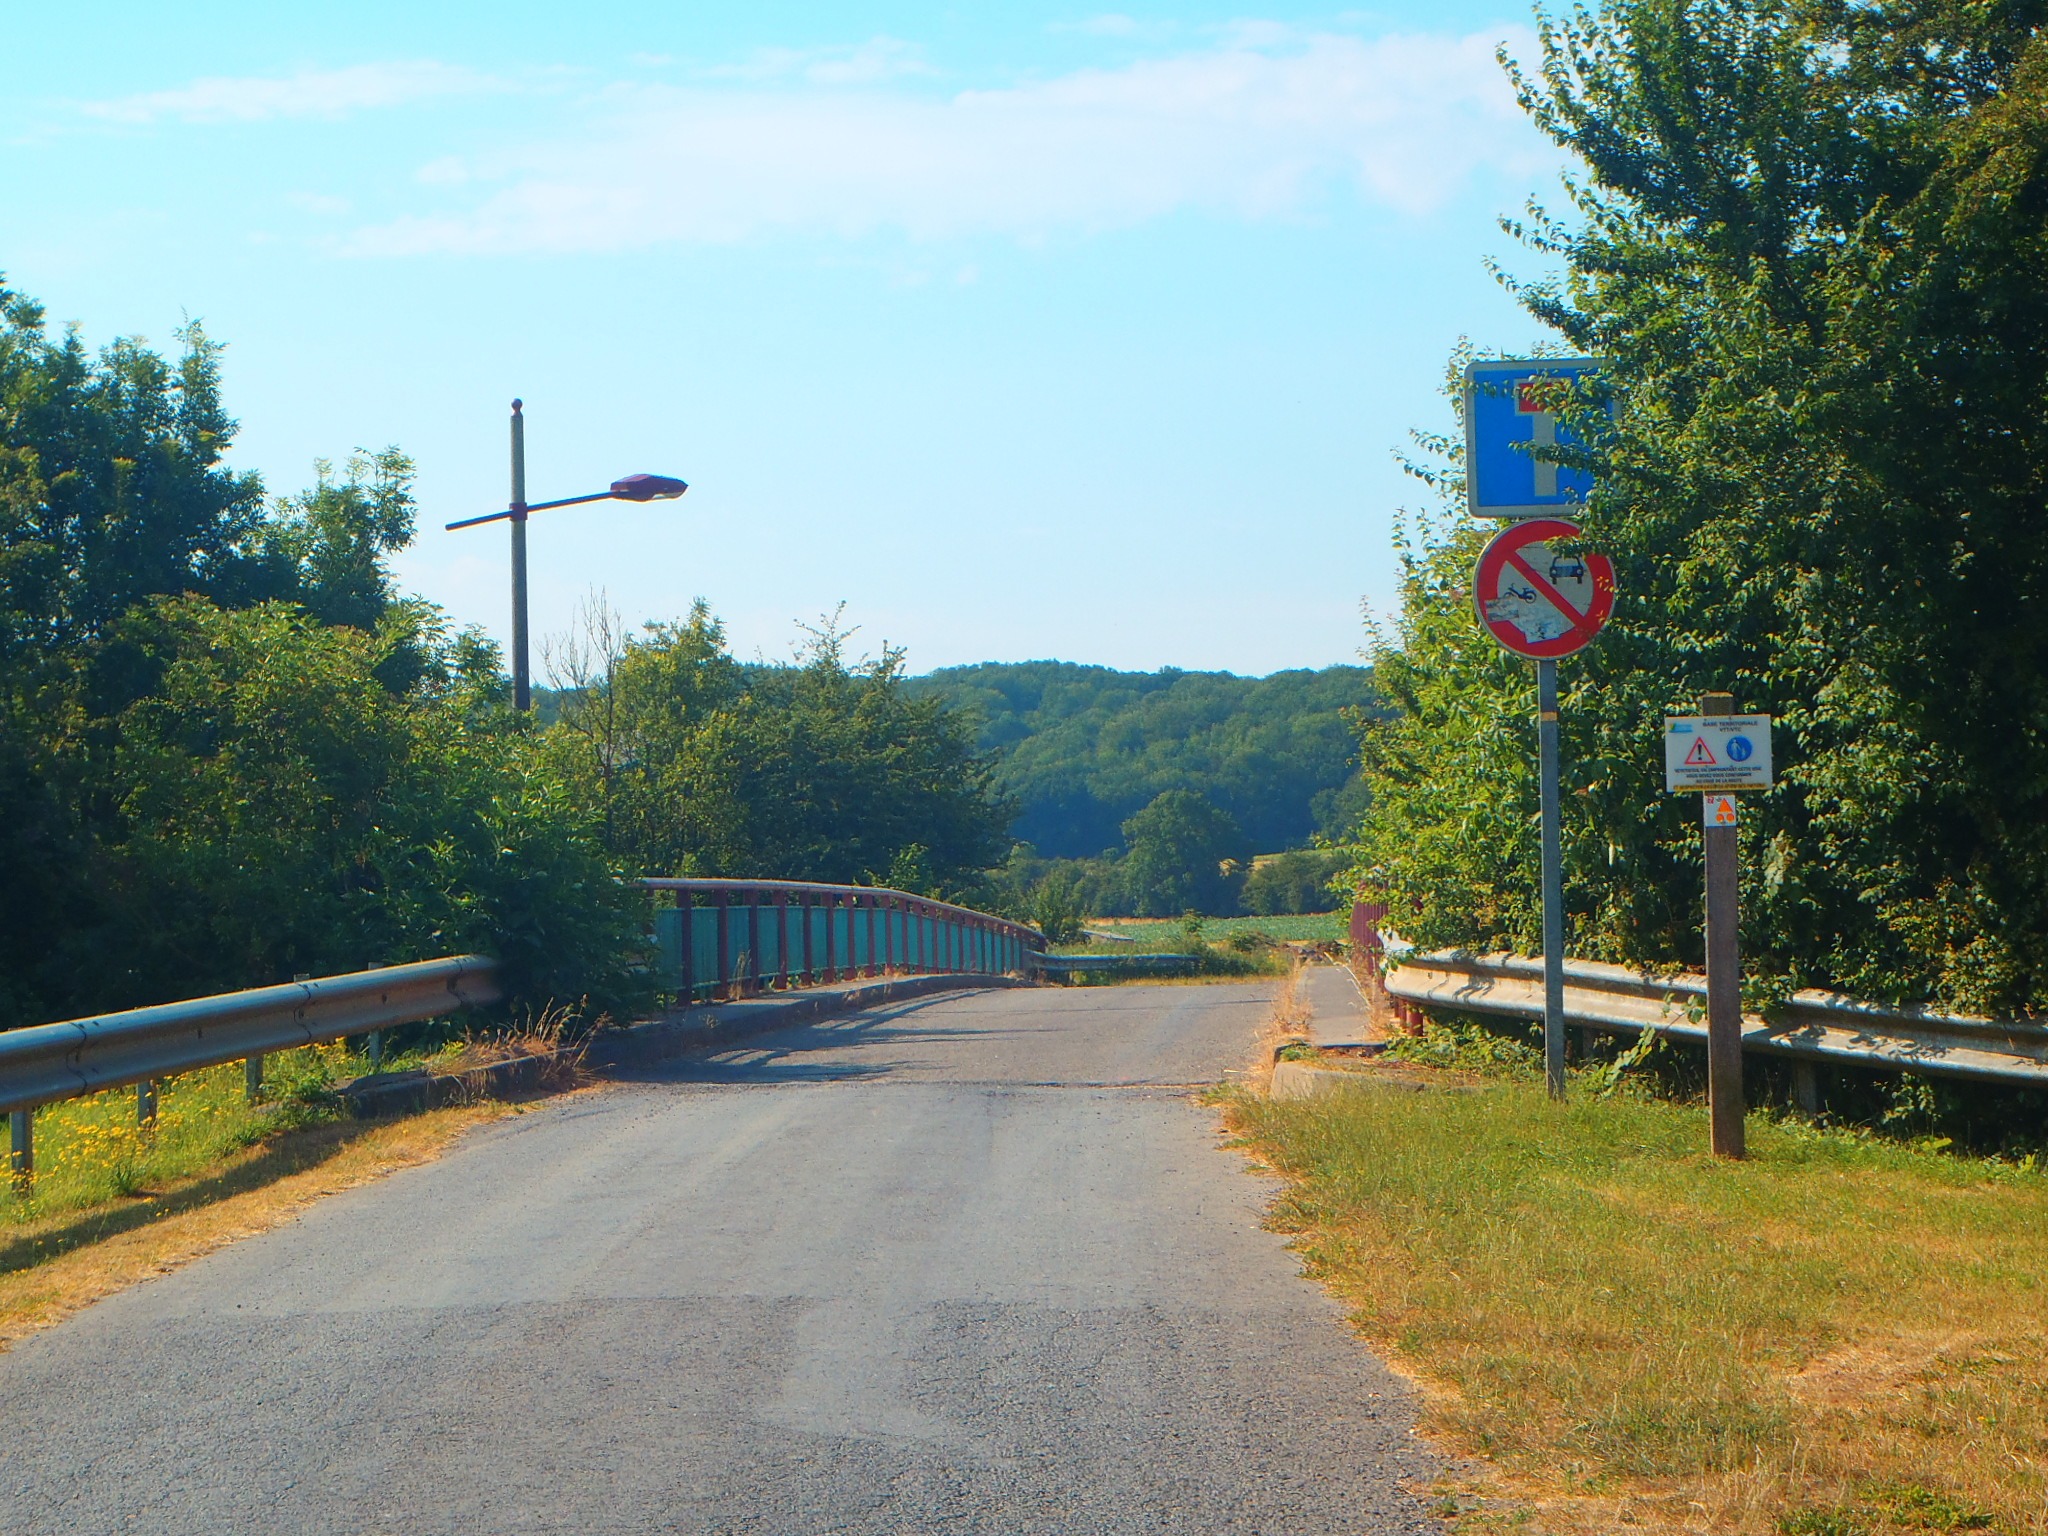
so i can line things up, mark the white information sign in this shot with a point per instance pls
(1709, 752)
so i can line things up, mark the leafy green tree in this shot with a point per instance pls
(1293, 882)
(821, 770)
(1810, 236)
(281, 810)
(231, 751)
(1186, 855)
(112, 485)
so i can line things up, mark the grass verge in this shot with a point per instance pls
(1840, 1336)
(114, 1201)
(53, 1263)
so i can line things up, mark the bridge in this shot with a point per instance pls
(971, 1261)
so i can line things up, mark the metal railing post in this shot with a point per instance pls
(754, 941)
(686, 906)
(145, 1104)
(252, 1078)
(21, 1152)
(724, 988)
(782, 941)
(803, 911)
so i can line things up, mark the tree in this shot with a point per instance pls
(112, 485)
(1298, 881)
(1186, 855)
(819, 770)
(1809, 235)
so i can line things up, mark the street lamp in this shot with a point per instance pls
(631, 488)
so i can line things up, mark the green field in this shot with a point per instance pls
(1169, 935)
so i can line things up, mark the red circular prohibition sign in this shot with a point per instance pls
(1538, 601)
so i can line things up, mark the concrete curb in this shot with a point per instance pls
(412, 1093)
(707, 1027)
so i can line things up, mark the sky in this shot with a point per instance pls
(1025, 332)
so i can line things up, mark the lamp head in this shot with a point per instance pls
(648, 488)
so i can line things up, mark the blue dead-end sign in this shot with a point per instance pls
(1512, 414)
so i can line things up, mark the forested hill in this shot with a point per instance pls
(1083, 748)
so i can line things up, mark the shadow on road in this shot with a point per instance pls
(809, 1053)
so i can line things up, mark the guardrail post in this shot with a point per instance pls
(803, 912)
(1806, 1087)
(145, 1104)
(252, 1078)
(21, 1152)
(782, 940)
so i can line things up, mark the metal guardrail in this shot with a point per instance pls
(727, 937)
(47, 1063)
(1816, 1026)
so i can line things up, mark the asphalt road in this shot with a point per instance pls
(972, 1264)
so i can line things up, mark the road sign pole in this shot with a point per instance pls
(1724, 972)
(1553, 879)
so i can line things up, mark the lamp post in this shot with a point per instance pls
(631, 488)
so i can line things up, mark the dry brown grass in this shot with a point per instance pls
(1287, 1023)
(53, 1267)
(555, 1038)
(1835, 1338)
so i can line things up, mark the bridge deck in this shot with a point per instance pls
(970, 1264)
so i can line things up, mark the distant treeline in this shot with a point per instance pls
(1083, 749)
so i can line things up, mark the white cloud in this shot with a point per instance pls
(321, 204)
(310, 93)
(1109, 25)
(1255, 127)
(877, 59)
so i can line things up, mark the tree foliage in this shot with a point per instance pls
(824, 769)
(1084, 748)
(1810, 236)
(1186, 855)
